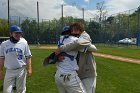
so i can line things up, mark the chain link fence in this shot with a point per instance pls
(117, 29)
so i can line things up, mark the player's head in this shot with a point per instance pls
(65, 30)
(76, 29)
(15, 32)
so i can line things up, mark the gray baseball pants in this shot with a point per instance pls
(15, 78)
(89, 84)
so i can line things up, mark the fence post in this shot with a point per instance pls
(56, 33)
(99, 30)
(62, 20)
(8, 13)
(38, 21)
(128, 33)
(105, 31)
(119, 29)
(19, 20)
(111, 29)
(138, 35)
(49, 32)
(129, 24)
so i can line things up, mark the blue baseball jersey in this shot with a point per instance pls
(15, 54)
(68, 64)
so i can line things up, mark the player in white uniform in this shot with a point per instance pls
(14, 56)
(66, 76)
(87, 65)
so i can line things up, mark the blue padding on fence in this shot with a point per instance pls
(138, 39)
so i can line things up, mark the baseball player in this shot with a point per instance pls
(53, 58)
(87, 65)
(66, 76)
(14, 56)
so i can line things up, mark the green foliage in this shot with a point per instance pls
(122, 25)
(138, 9)
(30, 30)
(112, 29)
(93, 30)
(4, 29)
(69, 19)
(110, 19)
(48, 31)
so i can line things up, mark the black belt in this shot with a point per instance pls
(65, 77)
(16, 68)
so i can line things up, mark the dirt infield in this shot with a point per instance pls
(124, 59)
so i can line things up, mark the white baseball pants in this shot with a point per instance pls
(15, 78)
(69, 83)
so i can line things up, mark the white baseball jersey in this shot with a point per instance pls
(68, 64)
(15, 53)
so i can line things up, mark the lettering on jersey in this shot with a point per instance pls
(17, 51)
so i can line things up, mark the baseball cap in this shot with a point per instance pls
(65, 29)
(15, 28)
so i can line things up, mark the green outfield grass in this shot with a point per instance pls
(42, 80)
(120, 51)
(113, 76)
(131, 52)
(117, 77)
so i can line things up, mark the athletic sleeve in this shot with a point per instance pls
(92, 48)
(82, 44)
(27, 51)
(75, 45)
(69, 47)
(1, 51)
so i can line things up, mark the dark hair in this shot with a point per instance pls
(77, 26)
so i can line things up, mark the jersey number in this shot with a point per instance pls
(19, 57)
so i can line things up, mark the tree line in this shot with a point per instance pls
(112, 28)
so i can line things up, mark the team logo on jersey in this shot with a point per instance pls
(17, 51)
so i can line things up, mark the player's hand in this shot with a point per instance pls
(29, 72)
(57, 51)
(61, 58)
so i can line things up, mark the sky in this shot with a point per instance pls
(50, 9)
